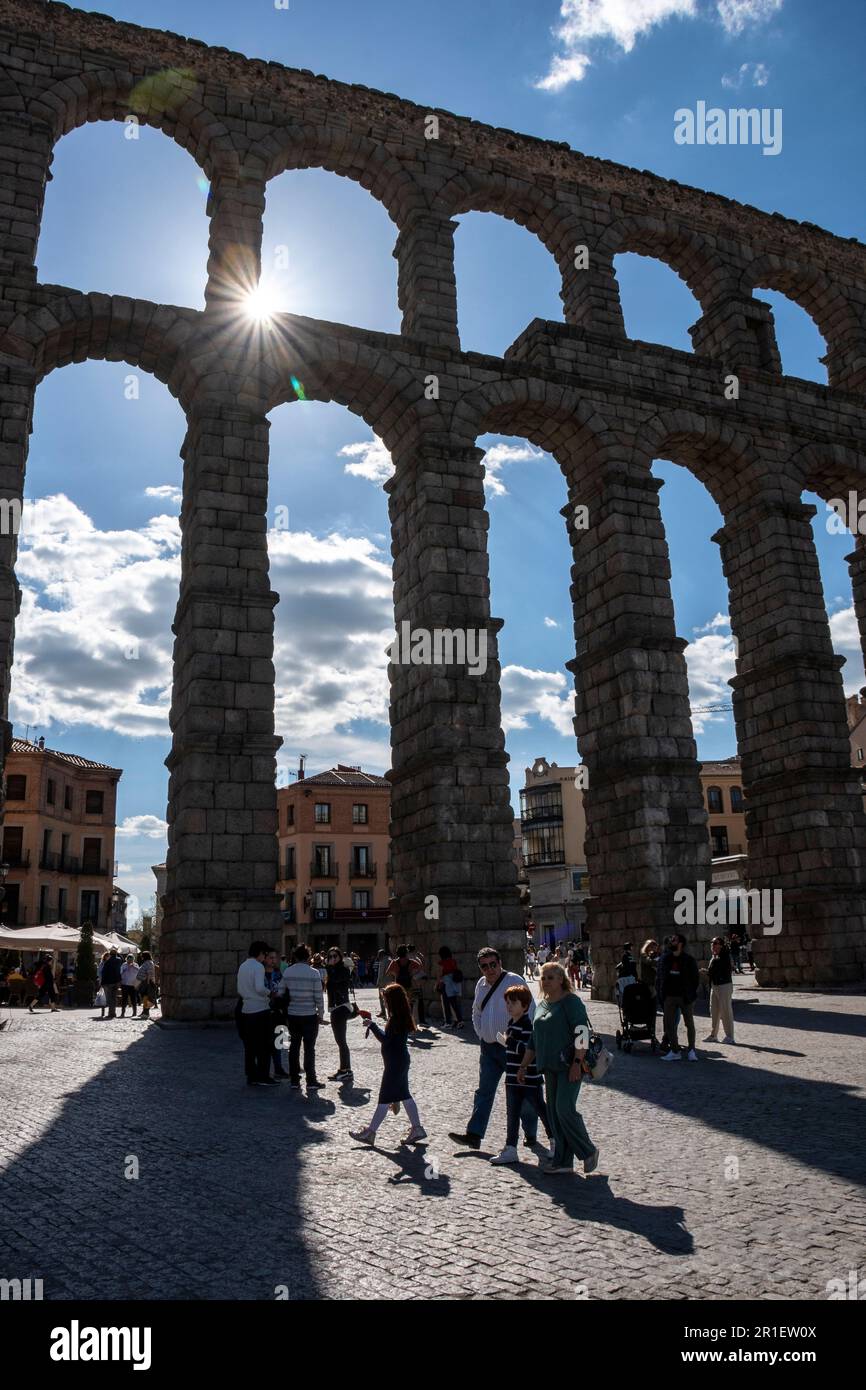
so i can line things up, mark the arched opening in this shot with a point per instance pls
(99, 566)
(326, 251)
(505, 277)
(330, 562)
(835, 529)
(125, 216)
(657, 305)
(530, 566)
(798, 338)
(700, 597)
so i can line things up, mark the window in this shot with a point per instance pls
(51, 791)
(61, 904)
(43, 903)
(290, 816)
(720, 840)
(361, 899)
(736, 799)
(361, 859)
(859, 755)
(67, 798)
(64, 851)
(13, 844)
(16, 787)
(323, 813)
(289, 907)
(90, 906)
(46, 845)
(322, 904)
(322, 860)
(359, 813)
(94, 803)
(543, 845)
(290, 862)
(714, 800)
(541, 803)
(90, 853)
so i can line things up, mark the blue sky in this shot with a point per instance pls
(99, 554)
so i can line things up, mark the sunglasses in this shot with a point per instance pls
(488, 964)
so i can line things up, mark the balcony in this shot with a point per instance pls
(322, 868)
(18, 918)
(547, 857)
(18, 861)
(71, 864)
(360, 914)
(368, 871)
(289, 916)
(289, 872)
(532, 815)
(321, 914)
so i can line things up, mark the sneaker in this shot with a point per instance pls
(507, 1155)
(363, 1136)
(711, 1037)
(315, 1085)
(339, 1076)
(692, 1056)
(268, 1081)
(472, 1141)
(590, 1164)
(671, 1057)
(414, 1136)
(555, 1168)
(729, 1040)
(294, 1085)
(531, 1143)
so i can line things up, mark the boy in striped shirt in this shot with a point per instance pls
(516, 1039)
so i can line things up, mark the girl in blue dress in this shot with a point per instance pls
(395, 1055)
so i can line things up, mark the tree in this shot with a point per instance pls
(85, 961)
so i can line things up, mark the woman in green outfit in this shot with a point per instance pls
(560, 1025)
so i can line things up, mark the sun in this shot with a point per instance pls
(261, 304)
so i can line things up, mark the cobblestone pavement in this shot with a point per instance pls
(243, 1190)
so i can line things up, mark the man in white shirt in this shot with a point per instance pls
(304, 1013)
(255, 1023)
(490, 1017)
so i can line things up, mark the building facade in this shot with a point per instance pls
(58, 838)
(554, 834)
(334, 846)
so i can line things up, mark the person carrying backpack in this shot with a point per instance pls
(43, 979)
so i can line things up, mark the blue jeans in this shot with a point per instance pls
(491, 1068)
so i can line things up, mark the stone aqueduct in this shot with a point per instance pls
(603, 405)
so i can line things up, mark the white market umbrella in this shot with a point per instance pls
(55, 936)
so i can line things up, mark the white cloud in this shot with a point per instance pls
(543, 695)
(551, 622)
(758, 73)
(845, 636)
(587, 23)
(736, 15)
(371, 460)
(711, 663)
(166, 492)
(498, 456)
(584, 22)
(149, 826)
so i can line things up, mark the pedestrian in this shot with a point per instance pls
(338, 983)
(678, 982)
(255, 1021)
(101, 992)
(305, 1011)
(395, 1078)
(490, 1017)
(403, 970)
(735, 945)
(648, 965)
(448, 987)
(46, 989)
(277, 1006)
(543, 953)
(721, 992)
(516, 1039)
(560, 1035)
(531, 962)
(383, 960)
(145, 982)
(128, 986)
(111, 975)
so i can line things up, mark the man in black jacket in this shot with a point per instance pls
(678, 980)
(111, 976)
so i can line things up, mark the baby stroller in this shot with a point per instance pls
(637, 1015)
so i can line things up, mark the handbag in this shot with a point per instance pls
(597, 1060)
(101, 998)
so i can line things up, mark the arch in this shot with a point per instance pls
(554, 417)
(517, 199)
(703, 267)
(109, 94)
(831, 311)
(341, 151)
(75, 327)
(724, 460)
(830, 470)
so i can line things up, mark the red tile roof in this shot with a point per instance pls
(22, 745)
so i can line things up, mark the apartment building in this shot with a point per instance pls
(553, 826)
(335, 859)
(58, 838)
